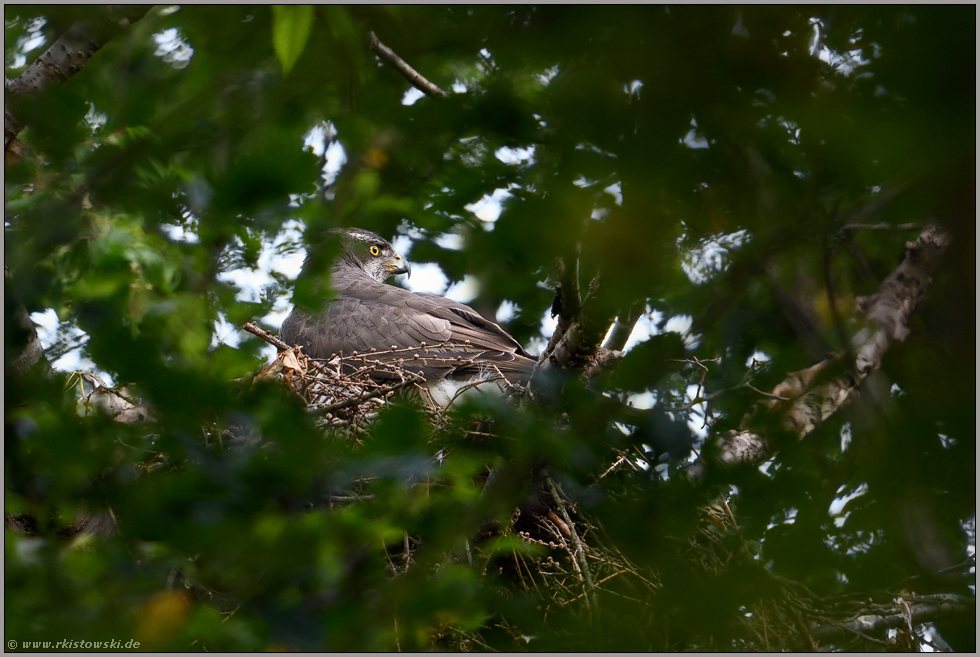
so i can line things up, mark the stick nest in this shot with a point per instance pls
(347, 391)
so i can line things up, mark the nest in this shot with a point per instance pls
(575, 569)
(347, 391)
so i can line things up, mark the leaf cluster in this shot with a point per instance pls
(705, 165)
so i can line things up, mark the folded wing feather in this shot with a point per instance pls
(370, 315)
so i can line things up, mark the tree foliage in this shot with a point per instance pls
(728, 184)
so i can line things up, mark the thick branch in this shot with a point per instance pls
(888, 311)
(579, 346)
(67, 56)
(890, 308)
(577, 339)
(414, 77)
(623, 327)
(22, 346)
(567, 303)
(902, 613)
(31, 352)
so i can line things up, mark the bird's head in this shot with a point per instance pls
(372, 253)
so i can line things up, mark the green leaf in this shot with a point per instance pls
(686, 168)
(291, 25)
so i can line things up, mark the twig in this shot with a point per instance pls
(475, 638)
(354, 401)
(527, 538)
(268, 337)
(845, 628)
(394, 571)
(599, 583)
(624, 564)
(881, 226)
(731, 516)
(694, 360)
(616, 464)
(56, 350)
(414, 77)
(408, 552)
(969, 563)
(520, 574)
(764, 393)
(516, 387)
(474, 384)
(579, 550)
(349, 498)
(697, 401)
(765, 629)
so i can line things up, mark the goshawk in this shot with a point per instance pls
(382, 321)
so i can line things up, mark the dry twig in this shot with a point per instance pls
(414, 77)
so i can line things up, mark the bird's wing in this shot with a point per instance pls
(466, 323)
(369, 315)
(493, 346)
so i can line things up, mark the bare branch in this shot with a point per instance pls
(890, 308)
(23, 336)
(862, 214)
(888, 311)
(578, 558)
(271, 339)
(623, 327)
(765, 394)
(881, 226)
(117, 404)
(66, 57)
(579, 346)
(414, 77)
(567, 303)
(902, 612)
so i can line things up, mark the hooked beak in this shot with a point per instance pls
(400, 265)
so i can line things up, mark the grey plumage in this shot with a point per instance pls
(368, 314)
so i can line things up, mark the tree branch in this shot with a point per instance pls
(22, 346)
(414, 77)
(117, 404)
(567, 303)
(880, 226)
(579, 346)
(268, 337)
(888, 311)
(576, 343)
(66, 57)
(903, 612)
(623, 326)
(578, 556)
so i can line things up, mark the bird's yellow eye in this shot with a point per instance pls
(374, 250)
